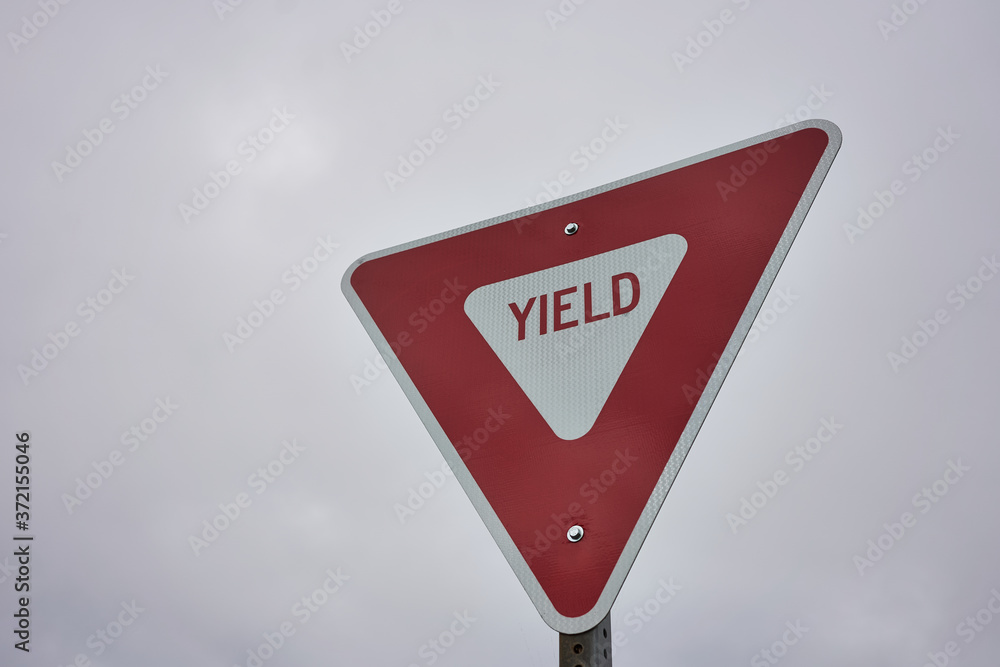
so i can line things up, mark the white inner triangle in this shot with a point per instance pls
(568, 374)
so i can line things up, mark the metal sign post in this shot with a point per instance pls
(587, 649)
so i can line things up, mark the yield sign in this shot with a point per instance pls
(547, 351)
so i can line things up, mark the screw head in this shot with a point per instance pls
(575, 533)
(572, 228)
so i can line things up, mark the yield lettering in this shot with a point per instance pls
(567, 307)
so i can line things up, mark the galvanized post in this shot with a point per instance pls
(587, 649)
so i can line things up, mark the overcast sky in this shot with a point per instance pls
(177, 163)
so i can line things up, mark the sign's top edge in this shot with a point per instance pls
(833, 132)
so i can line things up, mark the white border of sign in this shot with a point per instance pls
(578, 624)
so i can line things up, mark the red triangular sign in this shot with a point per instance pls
(554, 354)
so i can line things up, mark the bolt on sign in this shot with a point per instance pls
(580, 320)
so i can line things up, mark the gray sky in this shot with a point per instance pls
(172, 283)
